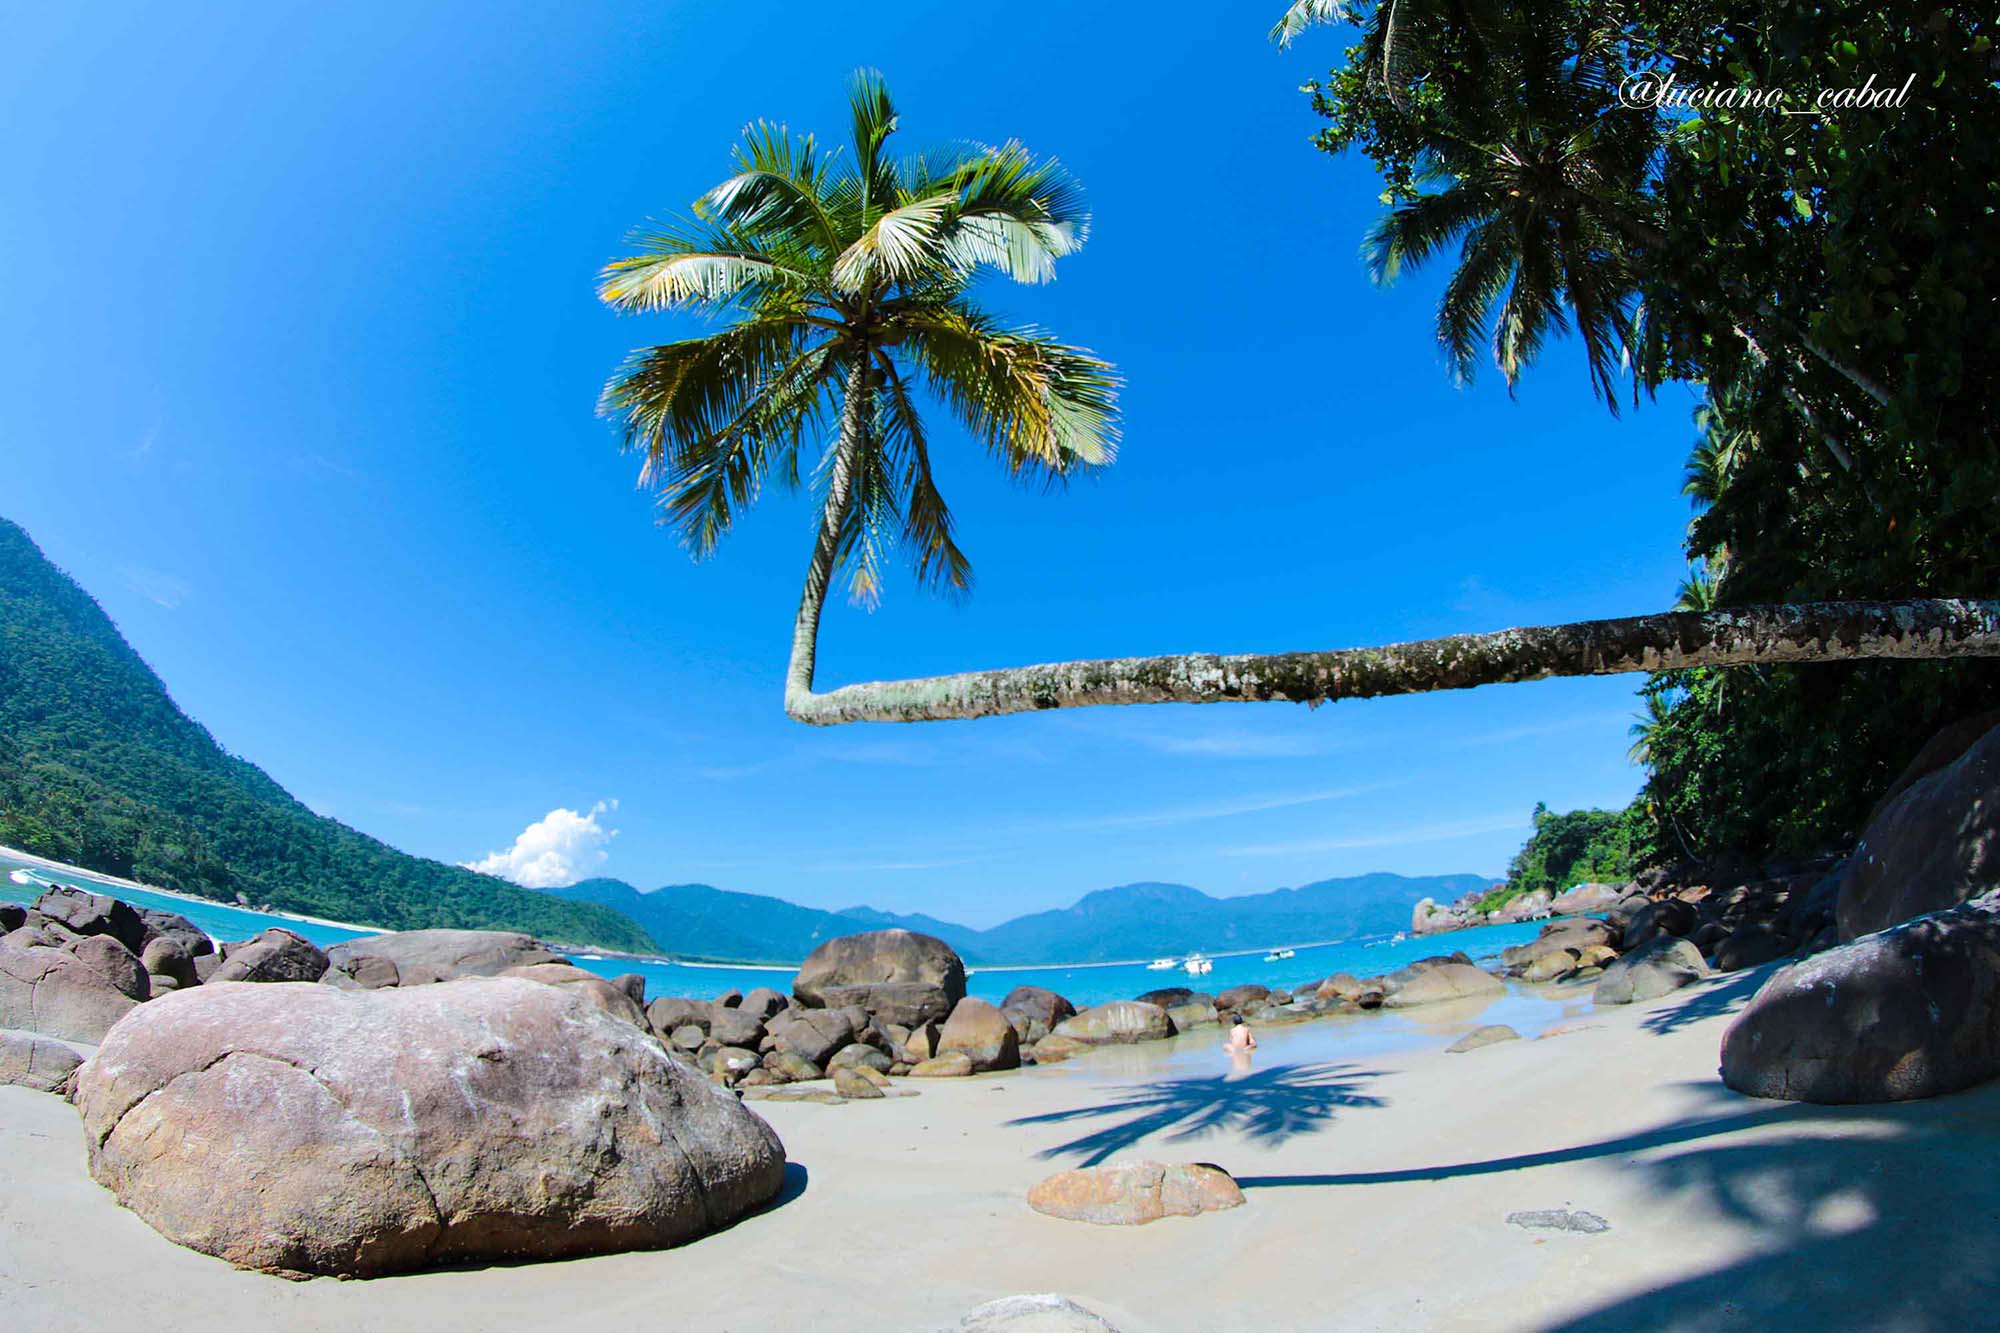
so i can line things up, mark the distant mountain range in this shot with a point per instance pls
(99, 768)
(1130, 921)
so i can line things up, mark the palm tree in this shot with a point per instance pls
(847, 280)
(1564, 166)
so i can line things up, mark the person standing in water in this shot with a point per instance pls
(1241, 1039)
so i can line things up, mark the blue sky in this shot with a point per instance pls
(298, 362)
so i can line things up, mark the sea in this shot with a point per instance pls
(1082, 984)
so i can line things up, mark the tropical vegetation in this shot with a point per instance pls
(1826, 279)
(846, 285)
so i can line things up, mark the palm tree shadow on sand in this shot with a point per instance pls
(1269, 1106)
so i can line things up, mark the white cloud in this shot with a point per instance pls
(559, 848)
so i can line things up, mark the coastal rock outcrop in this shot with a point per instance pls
(1933, 846)
(813, 1033)
(276, 954)
(420, 957)
(898, 976)
(982, 1034)
(28, 1061)
(1135, 1193)
(1660, 968)
(1118, 1021)
(1912, 1011)
(950, 1064)
(1043, 1006)
(1446, 981)
(606, 996)
(60, 985)
(313, 1129)
(1586, 899)
(85, 913)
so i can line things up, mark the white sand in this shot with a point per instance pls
(1363, 1214)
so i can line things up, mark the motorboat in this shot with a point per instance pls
(1163, 964)
(1197, 966)
(1277, 955)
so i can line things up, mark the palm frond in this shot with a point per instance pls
(1305, 14)
(1037, 404)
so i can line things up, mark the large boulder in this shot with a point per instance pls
(1135, 1193)
(1660, 968)
(313, 1129)
(1045, 1006)
(670, 1012)
(421, 957)
(67, 987)
(1244, 996)
(176, 928)
(1531, 906)
(1750, 946)
(1651, 921)
(607, 996)
(1934, 846)
(1433, 918)
(983, 1034)
(275, 955)
(1117, 1022)
(28, 1061)
(1912, 1011)
(1447, 981)
(898, 976)
(815, 1034)
(86, 913)
(735, 1026)
(1585, 898)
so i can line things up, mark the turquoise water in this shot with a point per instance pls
(1081, 985)
(1121, 981)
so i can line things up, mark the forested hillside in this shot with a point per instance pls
(100, 768)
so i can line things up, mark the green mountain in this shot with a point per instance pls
(1130, 921)
(99, 768)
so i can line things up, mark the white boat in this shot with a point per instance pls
(23, 877)
(1197, 966)
(1163, 964)
(1277, 955)
(1398, 937)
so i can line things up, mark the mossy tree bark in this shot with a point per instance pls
(1744, 636)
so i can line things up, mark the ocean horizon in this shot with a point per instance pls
(1083, 984)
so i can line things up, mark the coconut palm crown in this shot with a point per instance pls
(843, 282)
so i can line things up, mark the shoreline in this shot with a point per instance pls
(60, 868)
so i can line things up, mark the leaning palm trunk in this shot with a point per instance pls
(1744, 636)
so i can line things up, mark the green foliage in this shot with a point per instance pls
(1576, 847)
(99, 768)
(1831, 280)
(848, 279)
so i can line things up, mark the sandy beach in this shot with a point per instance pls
(1378, 1185)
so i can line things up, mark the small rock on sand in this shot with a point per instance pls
(1559, 1219)
(1135, 1193)
(1486, 1036)
(1046, 1313)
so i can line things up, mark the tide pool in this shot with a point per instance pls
(1082, 985)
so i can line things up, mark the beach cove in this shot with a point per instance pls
(1375, 1164)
